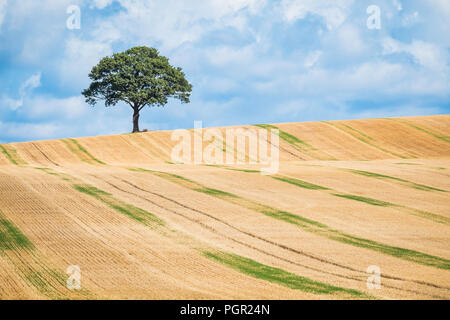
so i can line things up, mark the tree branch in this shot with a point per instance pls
(129, 103)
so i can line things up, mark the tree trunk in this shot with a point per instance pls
(136, 121)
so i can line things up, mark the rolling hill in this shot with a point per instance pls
(348, 195)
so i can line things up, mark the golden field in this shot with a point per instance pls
(348, 195)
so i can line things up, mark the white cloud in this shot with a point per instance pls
(398, 5)
(172, 23)
(330, 109)
(365, 81)
(11, 103)
(348, 39)
(426, 54)
(3, 4)
(223, 56)
(29, 131)
(26, 88)
(312, 58)
(259, 64)
(410, 19)
(45, 107)
(335, 12)
(219, 85)
(45, 117)
(101, 4)
(31, 83)
(35, 28)
(441, 5)
(80, 57)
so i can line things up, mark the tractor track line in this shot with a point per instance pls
(346, 267)
(104, 241)
(230, 238)
(137, 146)
(435, 134)
(301, 253)
(286, 150)
(259, 238)
(364, 139)
(433, 217)
(290, 144)
(214, 230)
(39, 149)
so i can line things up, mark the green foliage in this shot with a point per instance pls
(140, 77)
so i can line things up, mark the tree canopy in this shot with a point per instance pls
(139, 77)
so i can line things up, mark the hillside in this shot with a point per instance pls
(348, 195)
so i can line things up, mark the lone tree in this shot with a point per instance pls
(140, 77)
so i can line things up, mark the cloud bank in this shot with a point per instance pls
(250, 61)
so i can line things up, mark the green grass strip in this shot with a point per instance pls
(40, 277)
(233, 169)
(279, 276)
(299, 221)
(325, 231)
(364, 138)
(293, 181)
(359, 132)
(307, 185)
(402, 253)
(289, 138)
(81, 152)
(141, 170)
(29, 264)
(416, 212)
(245, 170)
(11, 238)
(129, 210)
(427, 131)
(214, 192)
(12, 155)
(428, 215)
(300, 145)
(8, 155)
(403, 181)
(374, 175)
(61, 175)
(370, 201)
(299, 183)
(314, 226)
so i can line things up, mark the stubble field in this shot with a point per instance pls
(348, 195)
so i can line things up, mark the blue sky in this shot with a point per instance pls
(250, 61)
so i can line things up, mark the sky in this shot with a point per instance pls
(249, 61)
